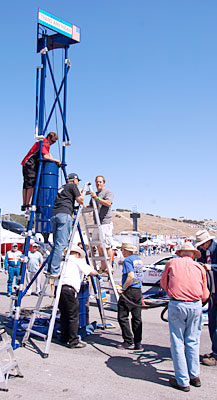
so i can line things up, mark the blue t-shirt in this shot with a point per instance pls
(133, 264)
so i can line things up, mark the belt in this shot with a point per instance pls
(173, 299)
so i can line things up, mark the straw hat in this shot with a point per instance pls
(128, 247)
(77, 249)
(188, 246)
(202, 237)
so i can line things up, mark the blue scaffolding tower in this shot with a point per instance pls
(52, 33)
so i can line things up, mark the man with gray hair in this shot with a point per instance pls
(208, 249)
(184, 281)
(130, 298)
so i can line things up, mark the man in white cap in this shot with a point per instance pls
(130, 299)
(208, 249)
(73, 276)
(12, 266)
(61, 221)
(184, 280)
(35, 261)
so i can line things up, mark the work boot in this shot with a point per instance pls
(126, 345)
(195, 382)
(78, 345)
(138, 346)
(174, 383)
(210, 362)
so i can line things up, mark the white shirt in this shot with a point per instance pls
(75, 269)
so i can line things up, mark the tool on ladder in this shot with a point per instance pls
(8, 363)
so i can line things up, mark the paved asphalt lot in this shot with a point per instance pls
(101, 371)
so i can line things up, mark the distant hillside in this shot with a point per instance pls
(149, 223)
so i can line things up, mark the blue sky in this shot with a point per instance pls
(142, 100)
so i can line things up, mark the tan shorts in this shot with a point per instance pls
(106, 233)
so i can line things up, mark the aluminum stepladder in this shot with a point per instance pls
(36, 312)
(9, 363)
(111, 287)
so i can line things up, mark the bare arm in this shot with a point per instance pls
(80, 200)
(106, 203)
(50, 158)
(127, 283)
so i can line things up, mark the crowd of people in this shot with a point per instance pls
(184, 278)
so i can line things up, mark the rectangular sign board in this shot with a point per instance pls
(58, 25)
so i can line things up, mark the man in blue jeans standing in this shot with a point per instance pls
(61, 221)
(185, 283)
(12, 265)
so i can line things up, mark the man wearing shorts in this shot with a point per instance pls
(104, 199)
(30, 166)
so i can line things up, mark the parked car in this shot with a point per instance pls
(13, 226)
(152, 272)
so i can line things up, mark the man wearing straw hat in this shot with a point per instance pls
(73, 276)
(185, 283)
(130, 299)
(208, 249)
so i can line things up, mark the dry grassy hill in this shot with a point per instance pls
(151, 224)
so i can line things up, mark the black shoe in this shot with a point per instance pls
(174, 383)
(138, 346)
(126, 345)
(78, 345)
(195, 382)
(23, 208)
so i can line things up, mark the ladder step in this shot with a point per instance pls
(93, 226)
(109, 302)
(100, 258)
(95, 243)
(42, 335)
(46, 294)
(87, 210)
(8, 367)
(42, 313)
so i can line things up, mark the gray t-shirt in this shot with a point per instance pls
(105, 213)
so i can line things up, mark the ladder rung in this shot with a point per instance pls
(37, 333)
(87, 210)
(106, 288)
(109, 302)
(46, 294)
(42, 313)
(100, 258)
(95, 243)
(8, 367)
(94, 226)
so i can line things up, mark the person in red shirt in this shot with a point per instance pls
(30, 166)
(185, 282)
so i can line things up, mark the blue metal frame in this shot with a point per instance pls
(45, 43)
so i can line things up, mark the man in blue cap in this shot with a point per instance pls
(61, 221)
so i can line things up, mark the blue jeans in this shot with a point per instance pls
(12, 272)
(185, 319)
(61, 226)
(213, 325)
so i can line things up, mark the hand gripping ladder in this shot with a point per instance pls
(96, 225)
(52, 317)
(8, 362)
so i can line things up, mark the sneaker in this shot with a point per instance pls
(195, 382)
(138, 346)
(174, 383)
(210, 362)
(78, 345)
(126, 345)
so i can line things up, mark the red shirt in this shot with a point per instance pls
(185, 279)
(35, 148)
